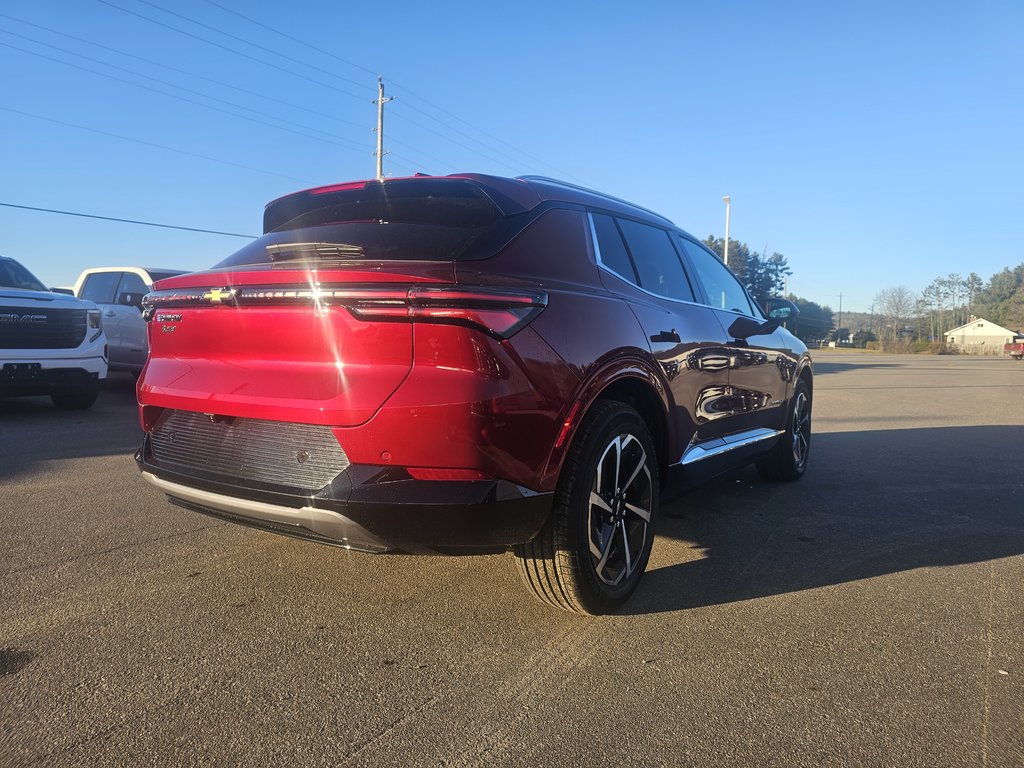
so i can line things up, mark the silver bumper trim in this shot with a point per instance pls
(322, 523)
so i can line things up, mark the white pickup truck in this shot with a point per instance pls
(50, 343)
(118, 292)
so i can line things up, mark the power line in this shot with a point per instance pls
(232, 50)
(173, 85)
(350, 145)
(247, 42)
(128, 221)
(179, 70)
(479, 130)
(407, 90)
(153, 144)
(240, 53)
(456, 142)
(293, 39)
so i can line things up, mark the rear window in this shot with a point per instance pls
(419, 220)
(371, 241)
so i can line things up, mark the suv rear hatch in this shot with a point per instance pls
(312, 322)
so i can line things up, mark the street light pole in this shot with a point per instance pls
(725, 258)
(839, 329)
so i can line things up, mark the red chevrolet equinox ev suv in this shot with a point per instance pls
(467, 364)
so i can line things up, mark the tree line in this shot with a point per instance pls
(899, 317)
(765, 276)
(949, 302)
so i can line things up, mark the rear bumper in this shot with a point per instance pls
(359, 510)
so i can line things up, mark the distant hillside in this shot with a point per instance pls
(856, 321)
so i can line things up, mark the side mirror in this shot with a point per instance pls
(781, 309)
(130, 300)
(745, 327)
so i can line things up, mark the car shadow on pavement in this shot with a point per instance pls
(822, 367)
(871, 503)
(32, 430)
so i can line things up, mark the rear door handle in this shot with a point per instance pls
(666, 337)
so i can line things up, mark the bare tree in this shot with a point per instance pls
(895, 305)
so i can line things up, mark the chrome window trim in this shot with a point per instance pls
(606, 268)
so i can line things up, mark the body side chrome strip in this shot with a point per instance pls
(709, 448)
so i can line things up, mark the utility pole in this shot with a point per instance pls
(380, 102)
(725, 259)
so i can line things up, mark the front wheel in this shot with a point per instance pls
(788, 459)
(592, 552)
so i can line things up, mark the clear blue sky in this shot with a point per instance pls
(874, 143)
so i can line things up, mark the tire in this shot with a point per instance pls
(76, 399)
(787, 461)
(593, 550)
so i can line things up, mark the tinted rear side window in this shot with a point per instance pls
(612, 251)
(656, 260)
(99, 287)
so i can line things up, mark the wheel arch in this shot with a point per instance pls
(806, 375)
(633, 384)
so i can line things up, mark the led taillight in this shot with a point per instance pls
(498, 311)
(501, 312)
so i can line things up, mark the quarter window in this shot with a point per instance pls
(656, 261)
(609, 244)
(720, 285)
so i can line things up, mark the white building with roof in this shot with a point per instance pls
(979, 336)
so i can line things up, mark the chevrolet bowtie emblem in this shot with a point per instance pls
(217, 295)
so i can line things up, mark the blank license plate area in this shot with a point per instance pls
(21, 371)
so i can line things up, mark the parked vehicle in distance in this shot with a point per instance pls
(468, 364)
(1014, 350)
(50, 343)
(118, 292)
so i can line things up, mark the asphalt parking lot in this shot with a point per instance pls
(870, 615)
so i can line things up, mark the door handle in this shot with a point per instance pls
(666, 337)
